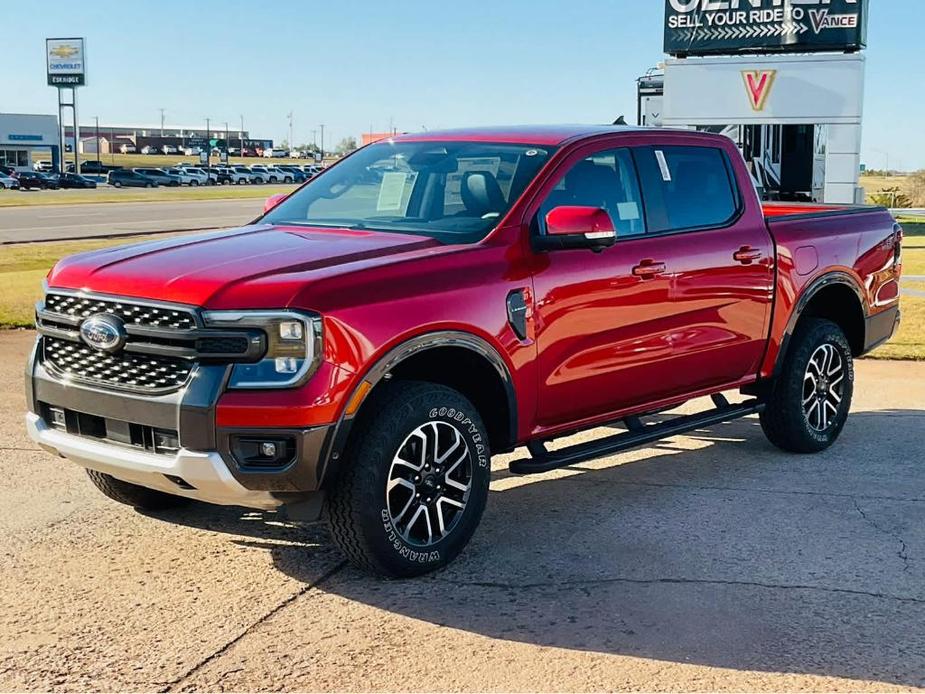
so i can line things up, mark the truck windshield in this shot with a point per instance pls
(452, 191)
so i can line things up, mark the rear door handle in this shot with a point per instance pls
(747, 255)
(649, 268)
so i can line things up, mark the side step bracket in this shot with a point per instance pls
(637, 434)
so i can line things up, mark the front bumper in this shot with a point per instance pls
(205, 472)
(205, 467)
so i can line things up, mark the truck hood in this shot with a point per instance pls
(217, 268)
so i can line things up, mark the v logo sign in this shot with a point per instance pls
(818, 18)
(758, 84)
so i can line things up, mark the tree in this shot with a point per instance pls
(892, 197)
(348, 144)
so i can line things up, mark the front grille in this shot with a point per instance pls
(222, 345)
(145, 373)
(134, 314)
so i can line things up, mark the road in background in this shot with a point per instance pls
(56, 222)
(710, 561)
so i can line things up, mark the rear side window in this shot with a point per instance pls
(606, 179)
(687, 187)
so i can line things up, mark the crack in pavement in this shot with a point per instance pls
(903, 550)
(580, 583)
(285, 603)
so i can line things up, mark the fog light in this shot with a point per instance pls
(287, 365)
(268, 449)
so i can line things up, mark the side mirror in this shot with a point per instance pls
(273, 201)
(572, 226)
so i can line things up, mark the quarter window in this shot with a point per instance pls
(605, 179)
(687, 187)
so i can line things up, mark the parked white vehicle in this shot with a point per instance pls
(245, 174)
(150, 149)
(169, 149)
(261, 174)
(275, 153)
(42, 165)
(279, 175)
(127, 149)
(185, 178)
(192, 151)
(198, 176)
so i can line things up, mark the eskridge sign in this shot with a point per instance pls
(704, 27)
(66, 61)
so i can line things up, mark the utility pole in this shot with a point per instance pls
(290, 130)
(162, 121)
(241, 138)
(322, 141)
(97, 119)
(208, 151)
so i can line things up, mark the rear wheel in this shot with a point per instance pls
(414, 481)
(810, 401)
(117, 184)
(133, 495)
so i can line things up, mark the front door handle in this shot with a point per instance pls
(747, 255)
(649, 268)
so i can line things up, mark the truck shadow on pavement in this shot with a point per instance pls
(713, 549)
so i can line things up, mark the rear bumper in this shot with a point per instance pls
(205, 472)
(881, 327)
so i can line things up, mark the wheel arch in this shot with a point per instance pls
(836, 296)
(480, 373)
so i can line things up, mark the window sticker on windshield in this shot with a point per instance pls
(663, 165)
(392, 191)
(627, 211)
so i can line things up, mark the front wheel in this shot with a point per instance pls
(809, 403)
(413, 482)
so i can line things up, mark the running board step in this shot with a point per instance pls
(637, 434)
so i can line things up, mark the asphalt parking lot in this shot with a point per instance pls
(706, 562)
(55, 222)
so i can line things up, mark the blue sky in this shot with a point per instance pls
(352, 65)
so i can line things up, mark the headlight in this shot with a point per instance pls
(293, 346)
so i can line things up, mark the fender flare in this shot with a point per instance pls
(835, 277)
(420, 343)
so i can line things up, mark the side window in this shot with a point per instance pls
(687, 187)
(606, 179)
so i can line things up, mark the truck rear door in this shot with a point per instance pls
(720, 259)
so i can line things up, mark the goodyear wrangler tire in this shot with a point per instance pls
(809, 404)
(141, 498)
(414, 481)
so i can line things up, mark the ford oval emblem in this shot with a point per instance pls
(103, 332)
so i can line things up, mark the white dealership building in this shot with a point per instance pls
(21, 134)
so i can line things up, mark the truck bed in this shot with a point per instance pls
(803, 210)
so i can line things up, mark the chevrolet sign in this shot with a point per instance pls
(66, 62)
(707, 27)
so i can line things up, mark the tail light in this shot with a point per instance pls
(897, 246)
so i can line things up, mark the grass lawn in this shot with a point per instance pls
(23, 266)
(15, 198)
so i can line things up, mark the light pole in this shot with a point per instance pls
(98, 167)
(290, 131)
(162, 121)
(322, 141)
(208, 151)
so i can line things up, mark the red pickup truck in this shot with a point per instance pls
(360, 351)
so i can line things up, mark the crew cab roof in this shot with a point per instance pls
(518, 134)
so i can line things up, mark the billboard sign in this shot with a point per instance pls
(715, 27)
(67, 63)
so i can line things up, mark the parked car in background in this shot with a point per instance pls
(8, 182)
(127, 149)
(275, 153)
(7, 170)
(245, 174)
(169, 149)
(197, 176)
(92, 167)
(223, 175)
(184, 178)
(150, 149)
(261, 174)
(192, 151)
(130, 179)
(278, 175)
(162, 177)
(72, 180)
(42, 165)
(297, 175)
(32, 180)
(249, 152)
